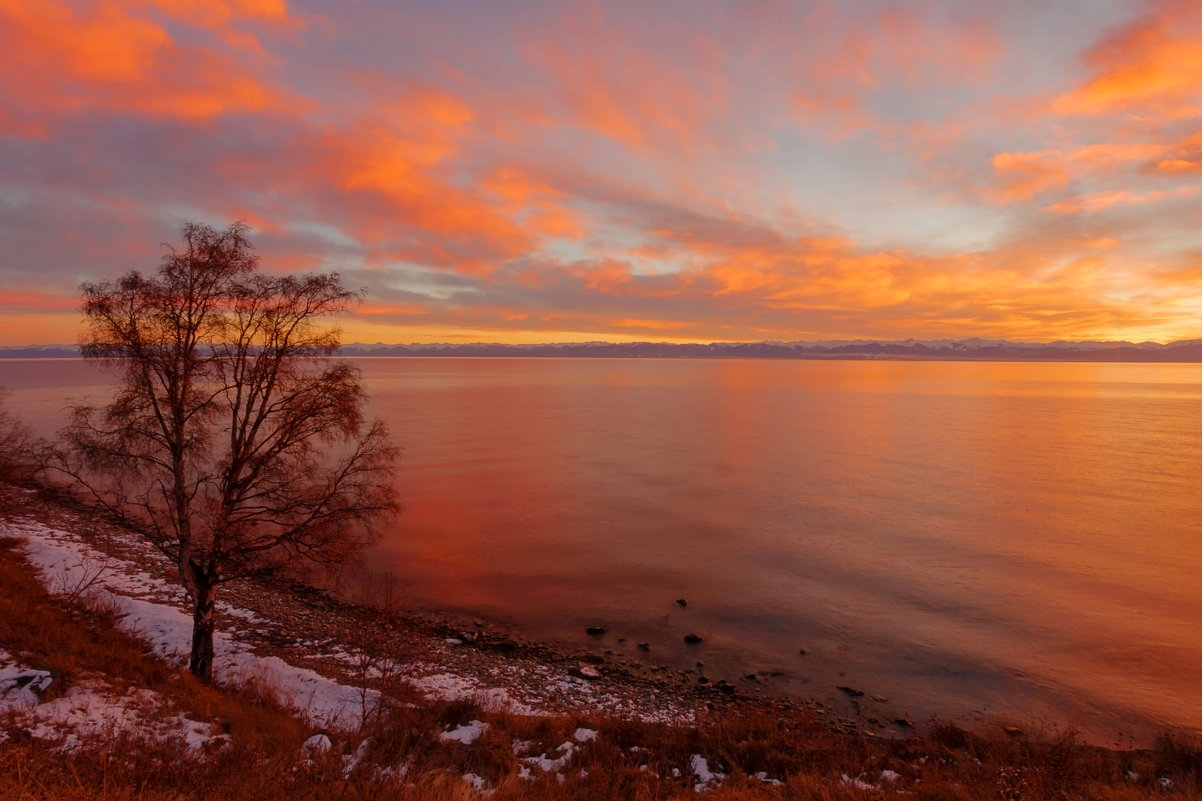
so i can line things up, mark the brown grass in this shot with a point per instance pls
(403, 757)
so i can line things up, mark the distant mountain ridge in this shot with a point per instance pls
(932, 349)
(944, 349)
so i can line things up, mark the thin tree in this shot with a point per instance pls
(234, 443)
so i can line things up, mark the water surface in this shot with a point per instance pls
(1017, 539)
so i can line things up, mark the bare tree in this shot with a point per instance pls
(234, 443)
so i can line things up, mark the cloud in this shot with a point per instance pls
(1151, 66)
(124, 57)
(619, 169)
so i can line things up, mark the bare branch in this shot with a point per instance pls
(234, 443)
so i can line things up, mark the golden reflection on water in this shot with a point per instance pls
(1015, 537)
(1010, 537)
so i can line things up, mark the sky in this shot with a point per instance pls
(709, 170)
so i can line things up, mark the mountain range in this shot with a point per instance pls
(942, 349)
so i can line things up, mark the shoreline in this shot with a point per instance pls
(451, 657)
(366, 649)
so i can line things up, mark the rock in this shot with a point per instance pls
(502, 645)
(682, 602)
(880, 699)
(1013, 731)
(751, 677)
(692, 639)
(851, 691)
(585, 672)
(801, 652)
(644, 646)
(702, 680)
(905, 723)
(595, 631)
(725, 686)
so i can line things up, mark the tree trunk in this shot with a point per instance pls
(201, 662)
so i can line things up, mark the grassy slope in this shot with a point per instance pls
(627, 760)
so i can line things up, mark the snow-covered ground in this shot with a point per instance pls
(150, 607)
(155, 610)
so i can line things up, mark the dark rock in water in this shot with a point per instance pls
(852, 691)
(905, 723)
(682, 602)
(692, 639)
(801, 652)
(595, 631)
(751, 677)
(644, 646)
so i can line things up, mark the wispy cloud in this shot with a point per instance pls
(622, 170)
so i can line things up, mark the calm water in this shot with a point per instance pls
(1014, 539)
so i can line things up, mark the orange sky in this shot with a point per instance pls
(536, 171)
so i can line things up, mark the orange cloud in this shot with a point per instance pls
(1120, 197)
(1184, 158)
(1019, 177)
(895, 48)
(1022, 176)
(668, 95)
(1153, 65)
(118, 56)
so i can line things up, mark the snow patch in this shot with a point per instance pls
(859, 783)
(467, 734)
(700, 767)
(20, 686)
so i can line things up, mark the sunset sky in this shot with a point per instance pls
(676, 171)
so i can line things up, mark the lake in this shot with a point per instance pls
(962, 538)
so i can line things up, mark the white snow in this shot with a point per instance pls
(584, 735)
(546, 764)
(156, 610)
(467, 733)
(477, 782)
(94, 710)
(859, 783)
(20, 686)
(316, 745)
(700, 767)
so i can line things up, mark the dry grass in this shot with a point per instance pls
(401, 756)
